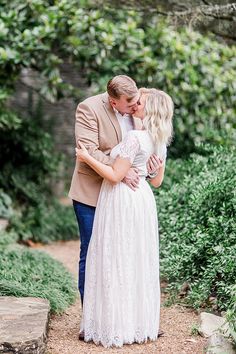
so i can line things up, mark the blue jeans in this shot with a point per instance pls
(85, 216)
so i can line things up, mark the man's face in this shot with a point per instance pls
(140, 111)
(123, 106)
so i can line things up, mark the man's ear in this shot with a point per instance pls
(112, 102)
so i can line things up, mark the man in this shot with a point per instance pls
(102, 121)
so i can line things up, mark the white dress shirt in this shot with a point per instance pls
(125, 121)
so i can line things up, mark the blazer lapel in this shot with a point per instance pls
(111, 115)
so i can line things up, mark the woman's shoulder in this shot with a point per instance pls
(161, 151)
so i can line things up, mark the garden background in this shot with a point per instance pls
(55, 53)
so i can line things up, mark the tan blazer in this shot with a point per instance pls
(98, 128)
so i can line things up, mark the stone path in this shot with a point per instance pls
(23, 324)
(176, 321)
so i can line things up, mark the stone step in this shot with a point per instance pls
(23, 325)
(216, 329)
(209, 324)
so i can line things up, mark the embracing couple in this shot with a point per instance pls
(121, 138)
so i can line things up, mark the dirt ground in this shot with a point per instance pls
(177, 322)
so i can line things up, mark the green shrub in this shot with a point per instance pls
(28, 162)
(46, 222)
(25, 272)
(8, 238)
(197, 71)
(6, 210)
(198, 227)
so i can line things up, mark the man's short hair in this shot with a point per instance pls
(122, 85)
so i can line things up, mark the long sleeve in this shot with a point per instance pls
(86, 131)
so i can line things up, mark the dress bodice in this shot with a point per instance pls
(138, 146)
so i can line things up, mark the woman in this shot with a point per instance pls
(122, 290)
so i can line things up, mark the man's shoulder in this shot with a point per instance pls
(94, 100)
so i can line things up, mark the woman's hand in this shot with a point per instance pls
(153, 165)
(82, 153)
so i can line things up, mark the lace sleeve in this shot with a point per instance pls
(129, 147)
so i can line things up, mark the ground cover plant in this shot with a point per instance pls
(27, 272)
(197, 212)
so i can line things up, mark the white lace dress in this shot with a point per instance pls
(122, 291)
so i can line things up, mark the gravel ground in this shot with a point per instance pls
(176, 321)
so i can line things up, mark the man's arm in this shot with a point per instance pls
(86, 131)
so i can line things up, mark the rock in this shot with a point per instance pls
(23, 325)
(210, 324)
(184, 289)
(218, 344)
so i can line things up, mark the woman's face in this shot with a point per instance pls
(140, 112)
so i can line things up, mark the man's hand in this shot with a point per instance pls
(132, 178)
(153, 165)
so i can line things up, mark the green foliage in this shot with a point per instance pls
(30, 36)
(198, 226)
(25, 272)
(7, 238)
(29, 33)
(46, 222)
(6, 210)
(29, 161)
(197, 203)
(195, 329)
(30, 164)
(198, 72)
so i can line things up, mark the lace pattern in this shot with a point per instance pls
(129, 147)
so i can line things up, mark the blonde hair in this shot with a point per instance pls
(159, 109)
(122, 85)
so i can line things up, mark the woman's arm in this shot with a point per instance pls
(157, 181)
(114, 173)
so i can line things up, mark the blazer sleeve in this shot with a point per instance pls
(86, 131)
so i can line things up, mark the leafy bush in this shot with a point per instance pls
(30, 164)
(6, 210)
(191, 67)
(197, 227)
(25, 272)
(195, 70)
(29, 161)
(8, 238)
(46, 223)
